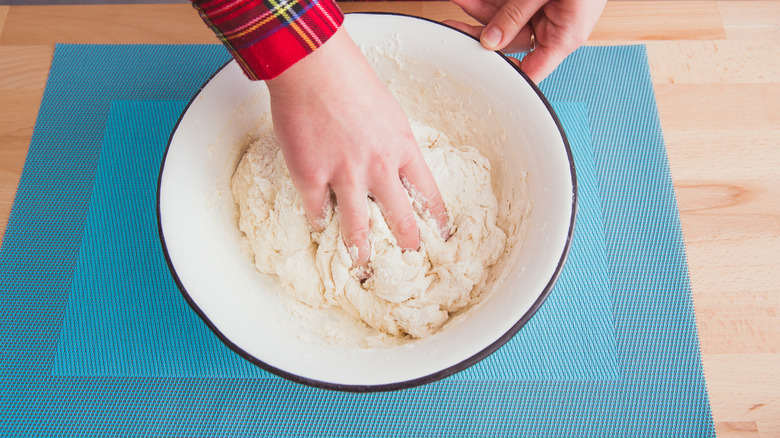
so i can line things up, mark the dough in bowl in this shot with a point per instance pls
(408, 294)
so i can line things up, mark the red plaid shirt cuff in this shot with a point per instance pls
(267, 37)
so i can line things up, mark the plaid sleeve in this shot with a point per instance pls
(268, 36)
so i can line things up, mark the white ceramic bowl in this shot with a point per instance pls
(529, 154)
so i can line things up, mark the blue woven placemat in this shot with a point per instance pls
(98, 342)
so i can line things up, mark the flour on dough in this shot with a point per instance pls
(410, 293)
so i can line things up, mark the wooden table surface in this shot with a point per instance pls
(716, 72)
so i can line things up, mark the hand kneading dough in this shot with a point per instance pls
(408, 293)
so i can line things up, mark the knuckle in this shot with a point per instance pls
(433, 200)
(384, 164)
(515, 14)
(349, 176)
(313, 175)
(406, 226)
(407, 136)
(357, 235)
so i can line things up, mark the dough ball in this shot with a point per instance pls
(410, 293)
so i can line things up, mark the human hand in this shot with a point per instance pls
(341, 130)
(559, 26)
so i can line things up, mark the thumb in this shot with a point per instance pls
(506, 24)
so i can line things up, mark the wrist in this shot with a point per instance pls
(333, 62)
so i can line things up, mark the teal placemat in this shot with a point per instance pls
(98, 342)
(124, 315)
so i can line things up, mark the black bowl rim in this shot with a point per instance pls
(487, 351)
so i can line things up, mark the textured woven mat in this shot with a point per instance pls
(98, 342)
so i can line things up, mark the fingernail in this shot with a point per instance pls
(491, 37)
(354, 254)
(355, 251)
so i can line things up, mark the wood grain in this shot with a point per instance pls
(713, 106)
(18, 111)
(659, 20)
(769, 429)
(742, 429)
(3, 14)
(106, 24)
(754, 153)
(696, 62)
(399, 7)
(24, 67)
(771, 97)
(743, 387)
(444, 10)
(750, 20)
(737, 315)
(717, 101)
(13, 150)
